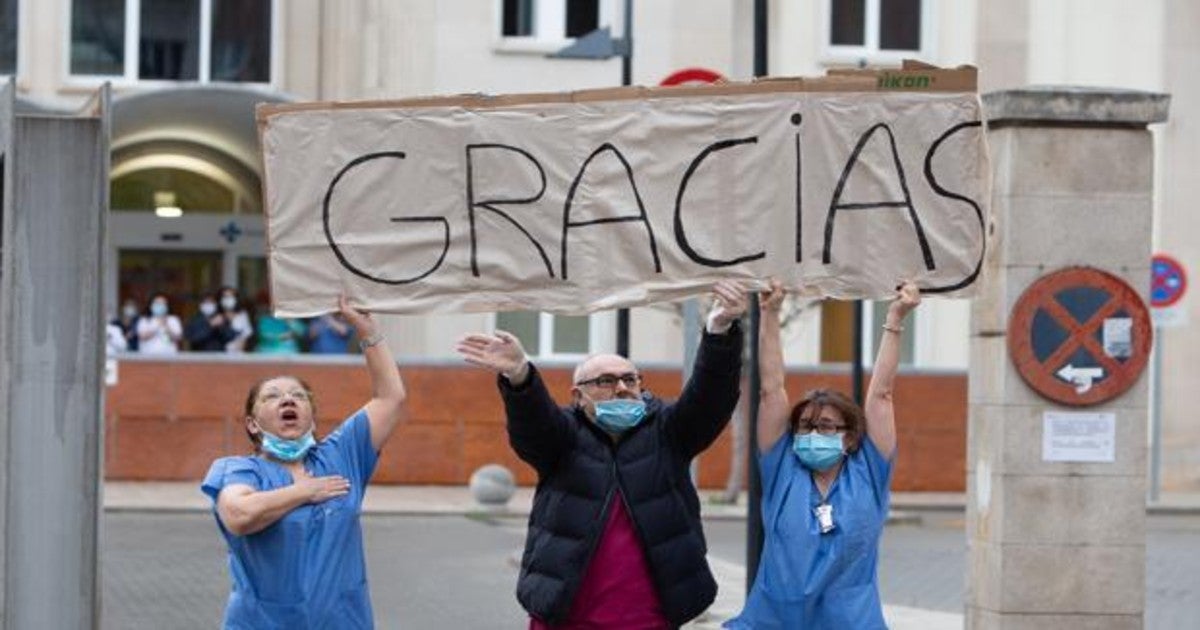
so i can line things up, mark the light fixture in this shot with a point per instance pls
(165, 206)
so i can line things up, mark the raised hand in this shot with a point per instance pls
(729, 304)
(908, 296)
(501, 352)
(771, 301)
(319, 489)
(363, 323)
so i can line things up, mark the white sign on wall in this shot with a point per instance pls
(1070, 436)
(1169, 317)
(110, 371)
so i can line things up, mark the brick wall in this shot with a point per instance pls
(167, 420)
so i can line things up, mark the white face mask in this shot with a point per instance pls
(129, 311)
(208, 308)
(228, 302)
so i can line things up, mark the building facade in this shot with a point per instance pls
(186, 172)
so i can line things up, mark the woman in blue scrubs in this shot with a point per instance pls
(289, 512)
(826, 464)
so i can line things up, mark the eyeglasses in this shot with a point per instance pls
(298, 395)
(824, 428)
(609, 381)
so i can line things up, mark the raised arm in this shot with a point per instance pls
(710, 395)
(881, 417)
(534, 422)
(386, 406)
(773, 397)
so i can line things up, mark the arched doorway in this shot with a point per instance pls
(185, 196)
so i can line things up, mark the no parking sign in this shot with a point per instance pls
(1080, 336)
(1168, 283)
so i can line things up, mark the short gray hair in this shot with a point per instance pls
(579, 372)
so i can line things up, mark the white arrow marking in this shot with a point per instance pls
(1081, 377)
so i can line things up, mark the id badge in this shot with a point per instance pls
(824, 514)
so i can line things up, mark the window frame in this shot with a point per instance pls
(597, 341)
(133, 29)
(869, 54)
(549, 27)
(20, 67)
(872, 327)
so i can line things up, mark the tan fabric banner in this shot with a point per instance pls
(574, 203)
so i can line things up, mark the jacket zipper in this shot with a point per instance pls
(596, 540)
(641, 536)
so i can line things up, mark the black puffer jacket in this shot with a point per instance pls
(580, 471)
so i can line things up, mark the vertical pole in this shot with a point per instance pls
(8, 96)
(856, 367)
(627, 56)
(623, 332)
(626, 79)
(754, 524)
(52, 328)
(1156, 417)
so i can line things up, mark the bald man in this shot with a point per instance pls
(614, 537)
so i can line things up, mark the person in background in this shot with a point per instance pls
(289, 511)
(826, 466)
(114, 339)
(276, 335)
(614, 537)
(209, 330)
(234, 311)
(158, 331)
(128, 324)
(329, 334)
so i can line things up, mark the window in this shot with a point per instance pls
(875, 317)
(877, 31)
(168, 44)
(582, 18)
(147, 189)
(240, 48)
(172, 40)
(547, 25)
(837, 332)
(518, 18)
(545, 334)
(8, 36)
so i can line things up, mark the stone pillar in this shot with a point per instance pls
(1057, 544)
(54, 189)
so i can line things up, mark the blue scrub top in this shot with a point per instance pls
(307, 570)
(811, 580)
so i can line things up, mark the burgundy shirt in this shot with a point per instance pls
(617, 591)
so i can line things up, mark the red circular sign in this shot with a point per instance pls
(692, 75)
(1079, 336)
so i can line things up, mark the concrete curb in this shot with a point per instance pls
(894, 517)
(185, 497)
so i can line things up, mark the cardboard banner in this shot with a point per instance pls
(576, 202)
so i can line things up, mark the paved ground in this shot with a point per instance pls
(165, 569)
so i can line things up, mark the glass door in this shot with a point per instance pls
(184, 276)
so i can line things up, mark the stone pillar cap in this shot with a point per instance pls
(1075, 104)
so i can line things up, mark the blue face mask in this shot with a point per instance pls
(287, 450)
(620, 414)
(818, 452)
